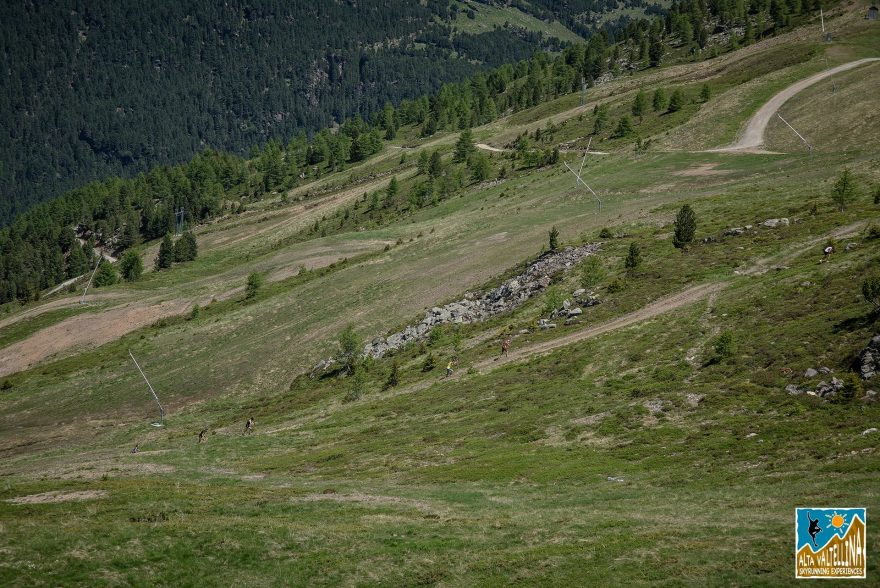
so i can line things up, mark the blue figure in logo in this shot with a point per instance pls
(814, 529)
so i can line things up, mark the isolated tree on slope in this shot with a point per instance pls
(254, 283)
(349, 348)
(676, 101)
(844, 190)
(554, 239)
(871, 292)
(166, 253)
(106, 275)
(131, 266)
(640, 105)
(186, 248)
(685, 227)
(634, 257)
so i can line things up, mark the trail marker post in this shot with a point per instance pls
(89, 283)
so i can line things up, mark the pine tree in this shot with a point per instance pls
(254, 283)
(464, 147)
(844, 190)
(186, 248)
(77, 264)
(676, 101)
(705, 93)
(634, 257)
(393, 376)
(554, 239)
(106, 275)
(424, 161)
(131, 266)
(639, 105)
(393, 188)
(624, 127)
(685, 227)
(658, 102)
(435, 167)
(166, 253)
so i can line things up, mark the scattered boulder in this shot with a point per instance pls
(524, 332)
(322, 367)
(793, 390)
(870, 396)
(694, 399)
(750, 435)
(869, 359)
(575, 312)
(850, 246)
(826, 390)
(869, 431)
(772, 223)
(578, 292)
(654, 406)
(571, 320)
(811, 373)
(825, 370)
(736, 231)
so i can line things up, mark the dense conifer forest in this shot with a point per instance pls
(191, 85)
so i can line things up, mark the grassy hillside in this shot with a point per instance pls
(629, 447)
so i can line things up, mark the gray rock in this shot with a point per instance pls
(750, 435)
(548, 326)
(869, 431)
(870, 396)
(566, 304)
(772, 223)
(694, 399)
(578, 292)
(571, 320)
(524, 331)
(825, 370)
(614, 479)
(850, 246)
(793, 390)
(654, 406)
(734, 232)
(810, 373)
(869, 359)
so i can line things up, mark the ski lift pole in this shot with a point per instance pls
(153, 392)
(86, 289)
(810, 147)
(596, 196)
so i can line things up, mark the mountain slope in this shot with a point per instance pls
(609, 450)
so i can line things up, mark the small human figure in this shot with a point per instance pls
(202, 434)
(135, 449)
(827, 252)
(505, 346)
(449, 368)
(249, 425)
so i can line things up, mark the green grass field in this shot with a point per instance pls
(637, 456)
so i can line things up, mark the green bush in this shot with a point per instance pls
(724, 345)
(592, 272)
(106, 275)
(254, 283)
(552, 300)
(131, 266)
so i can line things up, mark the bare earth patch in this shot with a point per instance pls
(58, 496)
(702, 170)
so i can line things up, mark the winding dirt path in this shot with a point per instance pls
(658, 307)
(752, 139)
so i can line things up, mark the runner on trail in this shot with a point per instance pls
(202, 434)
(449, 368)
(135, 449)
(505, 346)
(827, 252)
(249, 425)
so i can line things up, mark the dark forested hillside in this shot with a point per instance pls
(100, 88)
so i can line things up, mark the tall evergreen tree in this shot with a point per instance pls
(166, 253)
(685, 227)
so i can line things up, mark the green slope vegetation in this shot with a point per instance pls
(648, 443)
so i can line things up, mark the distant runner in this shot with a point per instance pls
(827, 252)
(505, 346)
(449, 368)
(202, 434)
(249, 425)
(135, 449)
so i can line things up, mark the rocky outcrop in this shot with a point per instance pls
(475, 308)
(869, 359)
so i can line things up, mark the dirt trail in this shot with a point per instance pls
(752, 138)
(651, 310)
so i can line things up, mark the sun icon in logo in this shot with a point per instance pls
(838, 521)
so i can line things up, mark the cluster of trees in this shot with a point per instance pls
(58, 239)
(101, 88)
